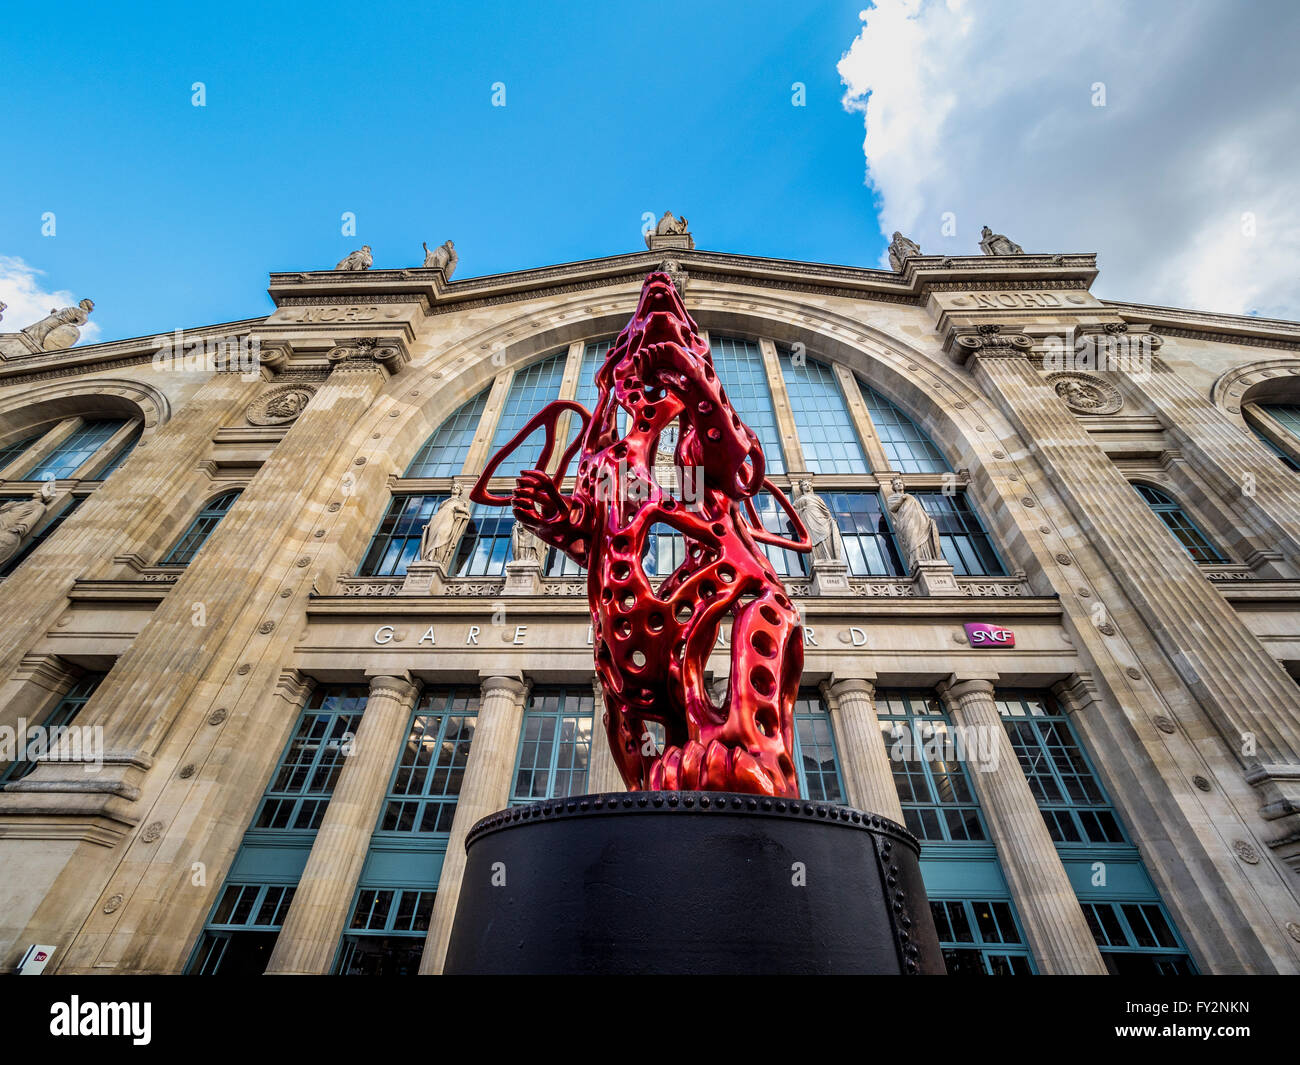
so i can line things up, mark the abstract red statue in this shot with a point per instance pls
(652, 645)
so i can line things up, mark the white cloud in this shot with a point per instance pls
(985, 109)
(28, 302)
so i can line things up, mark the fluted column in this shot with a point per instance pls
(485, 790)
(153, 680)
(310, 935)
(1229, 459)
(864, 758)
(1040, 887)
(1243, 690)
(602, 772)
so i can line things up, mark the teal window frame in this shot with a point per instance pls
(1119, 928)
(939, 802)
(263, 907)
(425, 784)
(202, 527)
(557, 733)
(1060, 775)
(1180, 525)
(816, 754)
(446, 450)
(985, 931)
(302, 784)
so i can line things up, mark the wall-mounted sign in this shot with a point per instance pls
(35, 959)
(981, 634)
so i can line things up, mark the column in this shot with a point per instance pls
(602, 772)
(1243, 690)
(485, 790)
(1040, 887)
(868, 777)
(233, 582)
(1229, 458)
(314, 923)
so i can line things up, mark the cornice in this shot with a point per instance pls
(108, 355)
(1240, 329)
(921, 275)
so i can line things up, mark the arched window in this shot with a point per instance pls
(71, 454)
(200, 529)
(909, 449)
(826, 432)
(120, 456)
(13, 450)
(1288, 418)
(740, 367)
(593, 357)
(530, 390)
(443, 454)
(1177, 522)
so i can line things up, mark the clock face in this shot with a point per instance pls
(668, 440)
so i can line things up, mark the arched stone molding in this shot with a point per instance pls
(96, 396)
(1256, 382)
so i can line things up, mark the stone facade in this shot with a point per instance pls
(1176, 676)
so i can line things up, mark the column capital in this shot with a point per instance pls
(514, 683)
(960, 685)
(837, 687)
(398, 684)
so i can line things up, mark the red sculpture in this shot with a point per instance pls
(651, 645)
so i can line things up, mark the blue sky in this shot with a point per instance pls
(171, 215)
(1180, 174)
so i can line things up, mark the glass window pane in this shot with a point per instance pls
(826, 433)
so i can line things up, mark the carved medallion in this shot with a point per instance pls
(217, 716)
(152, 831)
(1293, 930)
(1245, 852)
(1085, 393)
(279, 406)
(114, 901)
(1201, 782)
(1165, 725)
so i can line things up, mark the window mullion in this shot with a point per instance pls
(477, 456)
(877, 461)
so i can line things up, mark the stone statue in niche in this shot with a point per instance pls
(18, 518)
(61, 327)
(918, 535)
(358, 260)
(901, 249)
(997, 244)
(443, 258)
(443, 532)
(524, 544)
(823, 530)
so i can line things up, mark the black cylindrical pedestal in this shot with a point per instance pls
(691, 882)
